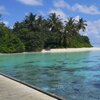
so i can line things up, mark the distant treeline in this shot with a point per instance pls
(35, 33)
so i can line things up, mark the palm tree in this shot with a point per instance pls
(81, 25)
(55, 28)
(55, 23)
(70, 26)
(39, 23)
(30, 22)
(69, 30)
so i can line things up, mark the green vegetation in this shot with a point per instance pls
(35, 33)
(9, 43)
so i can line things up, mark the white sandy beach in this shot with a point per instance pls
(58, 50)
(71, 50)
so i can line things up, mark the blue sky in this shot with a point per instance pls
(15, 10)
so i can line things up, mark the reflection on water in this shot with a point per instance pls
(74, 76)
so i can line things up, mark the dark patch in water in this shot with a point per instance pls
(74, 82)
(98, 76)
(94, 68)
(97, 85)
(31, 62)
(76, 90)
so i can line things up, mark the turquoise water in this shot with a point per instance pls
(74, 76)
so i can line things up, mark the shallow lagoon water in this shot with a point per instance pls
(74, 76)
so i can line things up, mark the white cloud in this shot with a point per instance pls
(26, 14)
(93, 10)
(58, 12)
(42, 13)
(61, 4)
(85, 9)
(6, 23)
(77, 18)
(94, 28)
(32, 2)
(3, 10)
(93, 31)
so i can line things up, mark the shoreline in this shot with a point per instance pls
(70, 50)
(58, 50)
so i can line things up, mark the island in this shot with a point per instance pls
(36, 33)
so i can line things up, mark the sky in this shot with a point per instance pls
(15, 10)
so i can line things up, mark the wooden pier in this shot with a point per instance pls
(10, 89)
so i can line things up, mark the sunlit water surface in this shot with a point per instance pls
(74, 76)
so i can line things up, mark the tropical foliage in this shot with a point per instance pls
(35, 33)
